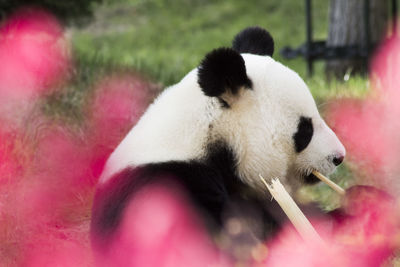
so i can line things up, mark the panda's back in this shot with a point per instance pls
(174, 128)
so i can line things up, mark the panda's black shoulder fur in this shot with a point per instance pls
(212, 185)
(254, 40)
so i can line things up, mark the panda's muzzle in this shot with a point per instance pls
(336, 160)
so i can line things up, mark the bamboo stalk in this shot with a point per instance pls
(331, 184)
(295, 215)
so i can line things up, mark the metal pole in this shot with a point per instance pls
(367, 40)
(309, 38)
(394, 17)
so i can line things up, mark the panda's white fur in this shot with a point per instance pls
(258, 126)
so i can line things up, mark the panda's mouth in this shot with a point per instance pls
(310, 179)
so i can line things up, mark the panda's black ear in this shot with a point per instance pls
(222, 73)
(254, 40)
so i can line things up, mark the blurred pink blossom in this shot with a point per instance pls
(33, 53)
(116, 105)
(366, 235)
(48, 173)
(370, 127)
(160, 229)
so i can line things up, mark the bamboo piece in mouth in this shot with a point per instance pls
(331, 184)
(295, 215)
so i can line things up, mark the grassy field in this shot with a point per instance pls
(166, 39)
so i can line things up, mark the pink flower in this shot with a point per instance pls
(33, 53)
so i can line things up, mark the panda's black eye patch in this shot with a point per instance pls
(304, 134)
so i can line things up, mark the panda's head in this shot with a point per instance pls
(267, 114)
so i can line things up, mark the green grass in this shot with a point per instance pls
(67, 104)
(166, 39)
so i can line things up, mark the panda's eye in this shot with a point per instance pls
(304, 134)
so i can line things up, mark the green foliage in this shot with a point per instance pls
(323, 194)
(69, 11)
(68, 102)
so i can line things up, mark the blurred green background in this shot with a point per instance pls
(165, 39)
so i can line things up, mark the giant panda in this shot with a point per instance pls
(237, 115)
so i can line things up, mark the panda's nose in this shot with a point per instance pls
(337, 160)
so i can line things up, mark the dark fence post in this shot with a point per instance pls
(394, 17)
(366, 31)
(309, 38)
(316, 50)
